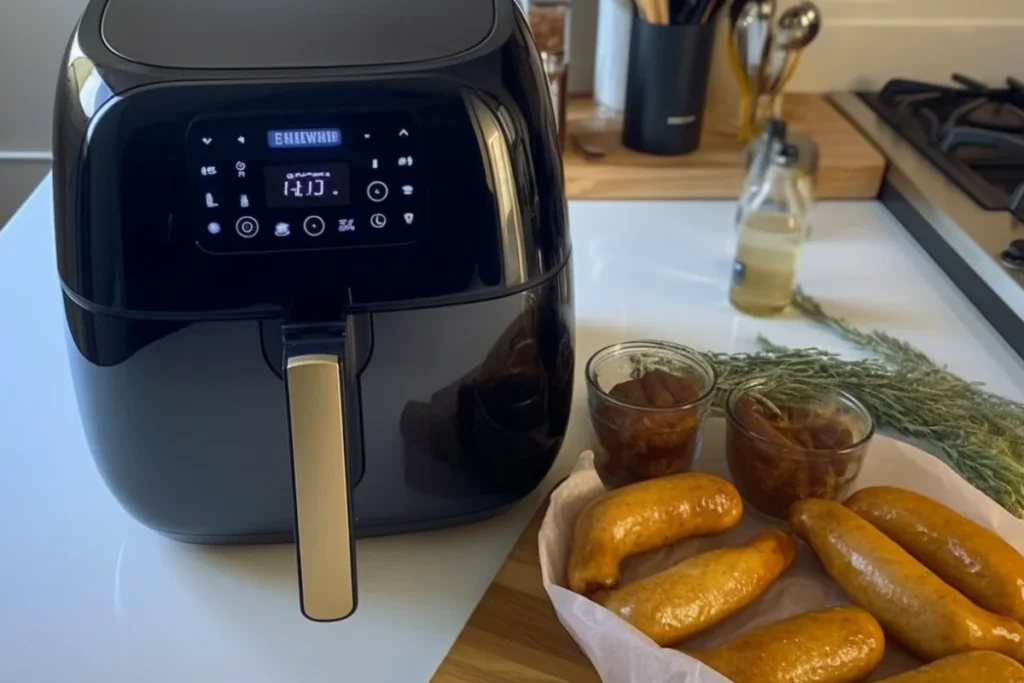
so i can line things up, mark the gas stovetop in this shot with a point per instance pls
(955, 180)
(971, 132)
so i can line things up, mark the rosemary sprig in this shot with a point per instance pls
(977, 433)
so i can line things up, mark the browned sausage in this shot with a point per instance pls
(645, 516)
(930, 618)
(700, 591)
(966, 555)
(970, 667)
(838, 645)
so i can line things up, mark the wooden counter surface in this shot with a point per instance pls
(850, 167)
(514, 634)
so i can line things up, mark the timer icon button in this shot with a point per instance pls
(377, 191)
(314, 226)
(247, 227)
(378, 220)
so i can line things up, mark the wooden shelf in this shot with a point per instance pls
(850, 167)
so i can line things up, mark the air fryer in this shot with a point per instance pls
(314, 258)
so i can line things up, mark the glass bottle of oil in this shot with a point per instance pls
(772, 229)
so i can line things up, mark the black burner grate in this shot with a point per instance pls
(973, 133)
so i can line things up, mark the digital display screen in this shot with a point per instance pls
(304, 138)
(290, 182)
(306, 185)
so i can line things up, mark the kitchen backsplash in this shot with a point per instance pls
(866, 42)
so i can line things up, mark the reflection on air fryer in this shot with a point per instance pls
(495, 423)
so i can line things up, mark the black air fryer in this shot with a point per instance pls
(314, 257)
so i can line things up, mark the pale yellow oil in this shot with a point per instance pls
(767, 257)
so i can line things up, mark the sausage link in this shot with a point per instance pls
(970, 667)
(919, 610)
(966, 555)
(645, 516)
(703, 590)
(838, 645)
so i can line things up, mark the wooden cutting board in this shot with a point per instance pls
(514, 634)
(849, 166)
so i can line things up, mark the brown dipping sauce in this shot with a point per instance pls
(655, 435)
(801, 451)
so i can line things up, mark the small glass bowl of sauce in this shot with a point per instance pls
(648, 401)
(786, 443)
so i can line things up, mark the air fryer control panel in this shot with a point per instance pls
(268, 183)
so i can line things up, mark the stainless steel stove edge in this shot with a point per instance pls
(978, 237)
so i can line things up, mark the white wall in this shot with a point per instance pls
(864, 42)
(33, 34)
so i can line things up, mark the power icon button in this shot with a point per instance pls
(247, 227)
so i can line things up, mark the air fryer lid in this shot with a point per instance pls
(267, 34)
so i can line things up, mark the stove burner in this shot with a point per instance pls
(1014, 254)
(970, 131)
(1001, 116)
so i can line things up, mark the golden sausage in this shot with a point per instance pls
(966, 555)
(970, 667)
(838, 645)
(701, 591)
(930, 618)
(645, 516)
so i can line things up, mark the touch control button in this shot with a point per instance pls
(314, 226)
(377, 191)
(247, 227)
(378, 220)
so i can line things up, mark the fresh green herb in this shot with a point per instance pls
(977, 433)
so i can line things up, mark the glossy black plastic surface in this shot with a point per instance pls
(126, 235)
(271, 34)
(463, 410)
(459, 343)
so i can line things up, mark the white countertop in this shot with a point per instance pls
(87, 594)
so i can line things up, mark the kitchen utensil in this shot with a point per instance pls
(647, 9)
(663, 18)
(797, 28)
(589, 146)
(710, 9)
(753, 33)
(738, 37)
(654, 11)
(679, 11)
(666, 87)
(735, 10)
(740, 14)
(253, 371)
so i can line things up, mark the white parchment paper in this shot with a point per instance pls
(621, 654)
